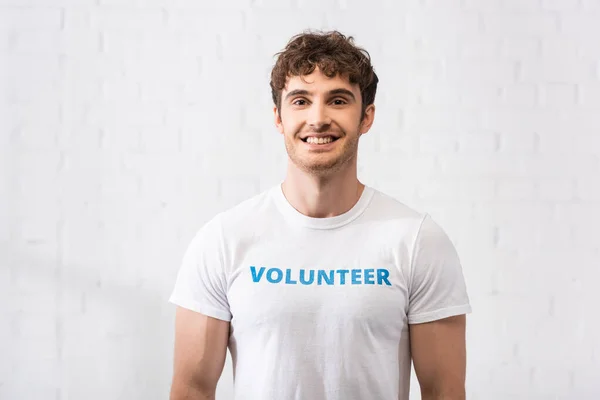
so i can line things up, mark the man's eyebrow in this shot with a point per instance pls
(302, 92)
(297, 92)
(342, 91)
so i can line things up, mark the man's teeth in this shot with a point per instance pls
(314, 140)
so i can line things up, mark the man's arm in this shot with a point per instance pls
(200, 351)
(439, 355)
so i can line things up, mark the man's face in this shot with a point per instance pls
(320, 122)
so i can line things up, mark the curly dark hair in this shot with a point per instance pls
(333, 53)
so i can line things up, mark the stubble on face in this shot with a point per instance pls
(326, 162)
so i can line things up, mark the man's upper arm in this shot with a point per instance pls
(438, 304)
(199, 357)
(439, 356)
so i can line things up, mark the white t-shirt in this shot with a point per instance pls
(320, 307)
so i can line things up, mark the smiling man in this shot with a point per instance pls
(322, 287)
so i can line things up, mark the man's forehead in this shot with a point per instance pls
(317, 83)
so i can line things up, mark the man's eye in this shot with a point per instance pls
(299, 102)
(339, 102)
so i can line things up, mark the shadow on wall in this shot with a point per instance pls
(83, 336)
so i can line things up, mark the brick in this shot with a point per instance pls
(433, 47)
(447, 5)
(589, 95)
(6, 41)
(503, 212)
(512, 236)
(159, 140)
(522, 47)
(121, 89)
(523, 120)
(556, 189)
(554, 142)
(27, 388)
(588, 48)
(38, 42)
(587, 141)
(521, 5)
(386, 5)
(397, 49)
(478, 142)
(515, 189)
(121, 19)
(482, 5)
(480, 46)
(44, 3)
(481, 96)
(420, 165)
(132, 114)
(77, 19)
(460, 189)
(83, 69)
(591, 5)
(589, 122)
(561, 5)
(439, 95)
(216, 22)
(395, 142)
(434, 24)
(60, 42)
(522, 96)
(420, 118)
(33, 134)
(556, 71)
(585, 376)
(480, 71)
(519, 25)
(273, 28)
(325, 5)
(482, 165)
(548, 381)
(578, 25)
(235, 5)
(160, 91)
(274, 5)
(588, 189)
(146, 43)
(558, 95)
(437, 142)
(550, 166)
(420, 70)
(578, 211)
(34, 68)
(392, 25)
(25, 19)
(558, 47)
(36, 326)
(164, 69)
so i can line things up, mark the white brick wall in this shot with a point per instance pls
(127, 124)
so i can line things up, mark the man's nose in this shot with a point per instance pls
(318, 119)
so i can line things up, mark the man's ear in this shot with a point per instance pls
(277, 117)
(368, 119)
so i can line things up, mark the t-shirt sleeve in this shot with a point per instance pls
(201, 284)
(437, 285)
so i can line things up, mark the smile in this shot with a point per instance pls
(321, 140)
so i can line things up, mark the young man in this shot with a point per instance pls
(322, 287)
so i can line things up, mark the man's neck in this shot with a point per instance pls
(322, 197)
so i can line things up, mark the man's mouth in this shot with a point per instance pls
(319, 140)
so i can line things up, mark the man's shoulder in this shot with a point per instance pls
(245, 212)
(390, 207)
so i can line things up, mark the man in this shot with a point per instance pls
(322, 287)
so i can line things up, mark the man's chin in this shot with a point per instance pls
(318, 165)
